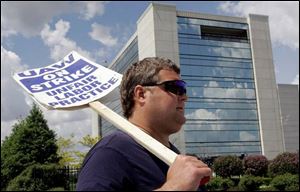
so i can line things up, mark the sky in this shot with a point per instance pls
(37, 34)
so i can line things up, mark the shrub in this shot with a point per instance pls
(267, 188)
(286, 182)
(250, 183)
(219, 184)
(37, 178)
(227, 166)
(284, 163)
(57, 189)
(266, 180)
(292, 188)
(23, 183)
(256, 165)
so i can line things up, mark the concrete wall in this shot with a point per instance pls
(157, 32)
(266, 88)
(289, 103)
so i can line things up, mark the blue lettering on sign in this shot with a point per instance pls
(35, 72)
(74, 72)
(82, 93)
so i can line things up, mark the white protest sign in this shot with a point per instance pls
(71, 82)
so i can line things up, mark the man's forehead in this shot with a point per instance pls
(168, 74)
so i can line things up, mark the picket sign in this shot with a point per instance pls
(77, 82)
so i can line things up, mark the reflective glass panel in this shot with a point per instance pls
(221, 110)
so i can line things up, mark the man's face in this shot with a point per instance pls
(166, 108)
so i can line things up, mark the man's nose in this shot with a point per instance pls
(183, 97)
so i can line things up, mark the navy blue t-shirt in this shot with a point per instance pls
(117, 162)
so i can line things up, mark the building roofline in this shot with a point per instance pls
(123, 49)
(287, 84)
(212, 17)
(155, 4)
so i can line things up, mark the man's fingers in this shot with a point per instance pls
(204, 180)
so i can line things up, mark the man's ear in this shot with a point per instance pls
(139, 93)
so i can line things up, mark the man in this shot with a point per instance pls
(153, 99)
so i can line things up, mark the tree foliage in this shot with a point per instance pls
(38, 178)
(226, 166)
(30, 142)
(250, 183)
(70, 156)
(286, 182)
(89, 141)
(286, 162)
(65, 150)
(256, 165)
(219, 184)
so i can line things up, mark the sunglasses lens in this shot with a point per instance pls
(177, 87)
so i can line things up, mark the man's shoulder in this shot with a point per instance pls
(118, 141)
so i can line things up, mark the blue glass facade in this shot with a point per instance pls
(128, 57)
(215, 61)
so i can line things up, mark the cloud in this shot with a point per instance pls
(283, 18)
(202, 114)
(58, 43)
(228, 93)
(29, 18)
(108, 52)
(296, 80)
(103, 35)
(247, 136)
(125, 31)
(92, 8)
(13, 98)
(65, 123)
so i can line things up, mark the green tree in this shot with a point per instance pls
(70, 156)
(226, 166)
(30, 142)
(256, 165)
(65, 150)
(87, 141)
(285, 162)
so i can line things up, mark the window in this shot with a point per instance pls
(223, 34)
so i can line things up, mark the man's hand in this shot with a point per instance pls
(185, 174)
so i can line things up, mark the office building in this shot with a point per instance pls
(233, 106)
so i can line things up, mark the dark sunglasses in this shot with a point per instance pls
(177, 87)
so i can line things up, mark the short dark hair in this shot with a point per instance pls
(139, 73)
